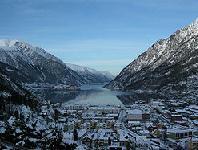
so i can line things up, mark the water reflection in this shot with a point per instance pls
(95, 95)
(89, 94)
(55, 96)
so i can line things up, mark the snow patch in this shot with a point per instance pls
(7, 42)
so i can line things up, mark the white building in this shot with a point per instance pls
(134, 114)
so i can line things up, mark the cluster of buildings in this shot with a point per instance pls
(155, 125)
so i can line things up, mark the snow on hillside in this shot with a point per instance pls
(164, 65)
(86, 70)
(7, 42)
(81, 68)
(41, 66)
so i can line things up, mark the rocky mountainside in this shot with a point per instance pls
(91, 75)
(8, 82)
(11, 90)
(169, 66)
(36, 64)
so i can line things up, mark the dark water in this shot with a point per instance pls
(94, 95)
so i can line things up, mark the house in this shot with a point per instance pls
(115, 115)
(183, 112)
(176, 117)
(193, 108)
(103, 137)
(194, 116)
(134, 114)
(118, 125)
(177, 133)
(90, 139)
(193, 143)
(146, 116)
(87, 141)
(124, 138)
(115, 147)
(159, 106)
(134, 123)
(144, 133)
(68, 137)
(190, 143)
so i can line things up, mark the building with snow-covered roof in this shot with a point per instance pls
(134, 114)
(134, 123)
(177, 133)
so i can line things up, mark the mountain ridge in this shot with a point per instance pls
(175, 56)
(91, 75)
(37, 63)
(32, 64)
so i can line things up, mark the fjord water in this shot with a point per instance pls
(93, 94)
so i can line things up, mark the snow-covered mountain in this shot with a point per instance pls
(8, 82)
(36, 63)
(91, 75)
(11, 88)
(169, 66)
(30, 64)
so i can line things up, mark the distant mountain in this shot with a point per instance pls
(91, 75)
(169, 67)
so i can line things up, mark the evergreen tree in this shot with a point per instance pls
(75, 135)
(109, 141)
(56, 114)
(16, 114)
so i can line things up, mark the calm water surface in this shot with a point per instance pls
(93, 95)
(96, 95)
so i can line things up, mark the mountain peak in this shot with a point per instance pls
(193, 26)
(195, 22)
(13, 43)
(169, 66)
(7, 42)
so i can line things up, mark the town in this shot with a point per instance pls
(158, 124)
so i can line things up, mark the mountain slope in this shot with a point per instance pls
(91, 75)
(11, 90)
(169, 66)
(36, 63)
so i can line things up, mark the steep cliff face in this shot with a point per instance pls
(169, 65)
